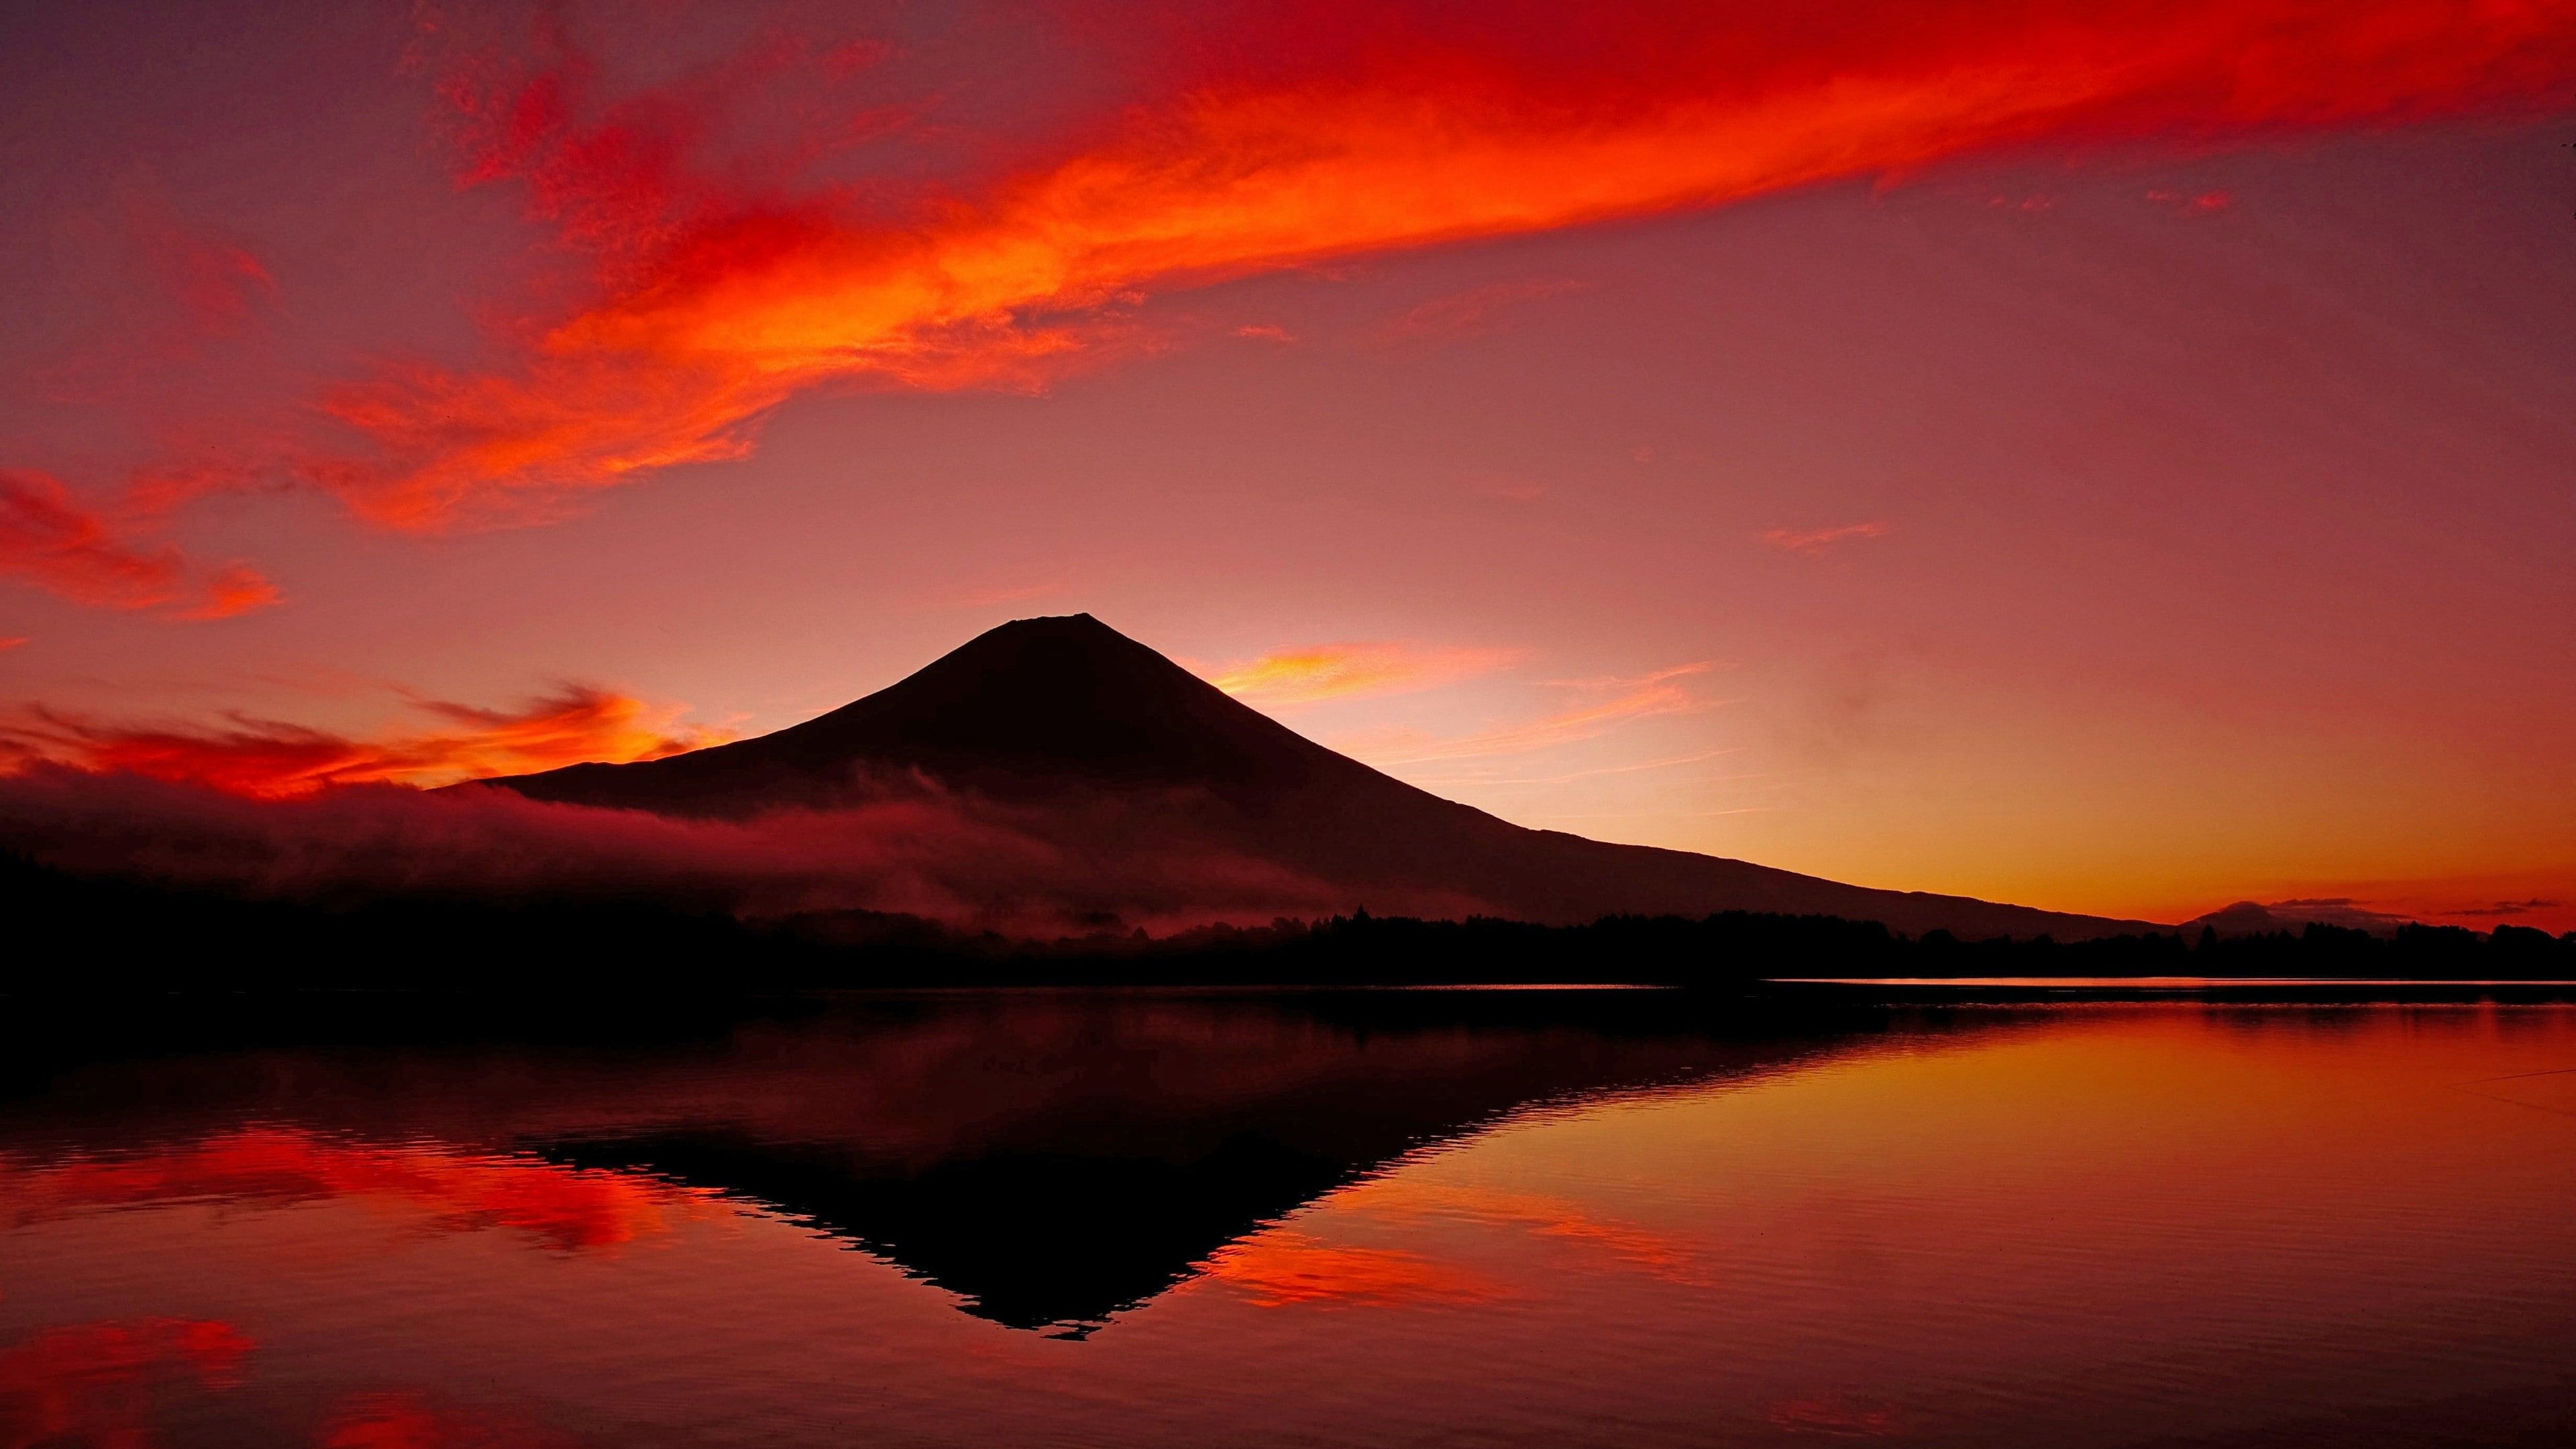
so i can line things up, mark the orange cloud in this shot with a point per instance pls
(1630, 699)
(266, 759)
(563, 1207)
(48, 541)
(1310, 672)
(713, 299)
(1815, 541)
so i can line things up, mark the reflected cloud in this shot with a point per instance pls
(1285, 1268)
(565, 1208)
(91, 1383)
(1834, 1416)
(1051, 1162)
(1562, 1220)
(413, 1421)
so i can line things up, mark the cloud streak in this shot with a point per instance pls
(707, 290)
(48, 541)
(1815, 542)
(1304, 673)
(1616, 701)
(268, 759)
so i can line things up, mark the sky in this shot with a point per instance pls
(2119, 461)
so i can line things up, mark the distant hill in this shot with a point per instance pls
(2253, 918)
(1060, 710)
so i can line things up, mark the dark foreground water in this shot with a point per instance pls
(1426, 1219)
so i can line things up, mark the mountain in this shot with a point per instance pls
(1067, 709)
(2255, 918)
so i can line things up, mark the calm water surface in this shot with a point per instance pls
(1611, 1219)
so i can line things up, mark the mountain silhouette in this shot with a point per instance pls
(1067, 709)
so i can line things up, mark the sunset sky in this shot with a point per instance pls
(2117, 458)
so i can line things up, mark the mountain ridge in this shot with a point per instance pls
(1055, 708)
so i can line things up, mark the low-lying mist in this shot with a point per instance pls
(901, 846)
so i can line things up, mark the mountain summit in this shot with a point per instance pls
(1067, 709)
(1033, 707)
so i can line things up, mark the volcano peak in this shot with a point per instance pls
(1064, 711)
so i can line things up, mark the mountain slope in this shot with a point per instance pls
(1064, 709)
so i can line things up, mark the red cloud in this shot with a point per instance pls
(48, 541)
(716, 292)
(175, 293)
(265, 759)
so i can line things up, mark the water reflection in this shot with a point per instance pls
(1050, 1159)
(1280, 1222)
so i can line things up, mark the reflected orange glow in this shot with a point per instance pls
(410, 1421)
(1401, 1197)
(1283, 1268)
(1830, 1414)
(1331, 671)
(570, 1209)
(267, 759)
(87, 1383)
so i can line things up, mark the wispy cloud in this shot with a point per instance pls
(2507, 908)
(1570, 776)
(50, 542)
(1304, 673)
(1471, 310)
(2193, 203)
(176, 291)
(269, 759)
(1629, 699)
(1816, 541)
(713, 288)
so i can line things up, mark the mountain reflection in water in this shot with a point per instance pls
(1049, 1159)
(1528, 1217)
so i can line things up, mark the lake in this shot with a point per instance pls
(1525, 1218)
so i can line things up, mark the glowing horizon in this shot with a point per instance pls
(2110, 463)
